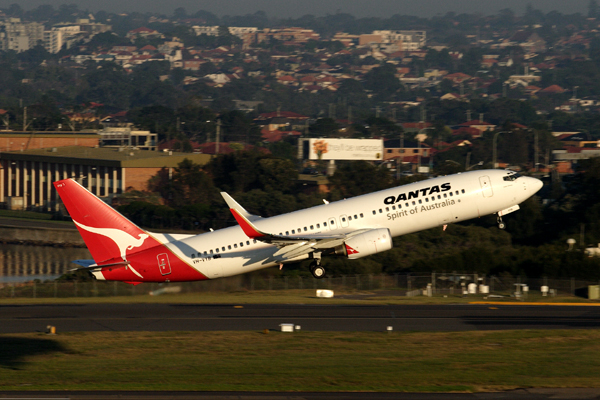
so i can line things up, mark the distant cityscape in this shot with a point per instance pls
(432, 90)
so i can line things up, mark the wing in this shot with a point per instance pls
(295, 245)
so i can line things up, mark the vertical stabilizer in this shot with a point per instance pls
(107, 234)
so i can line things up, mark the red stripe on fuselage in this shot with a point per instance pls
(148, 265)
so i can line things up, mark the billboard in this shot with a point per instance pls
(343, 149)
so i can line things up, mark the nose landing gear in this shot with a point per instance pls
(501, 223)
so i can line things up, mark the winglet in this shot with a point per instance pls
(241, 210)
(249, 229)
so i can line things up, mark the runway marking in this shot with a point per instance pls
(501, 303)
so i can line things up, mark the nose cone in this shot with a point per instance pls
(534, 184)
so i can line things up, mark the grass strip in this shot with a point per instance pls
(301, 361)
(293, 296)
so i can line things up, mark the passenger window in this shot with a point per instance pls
(193, 256)
(287, 233)
(407, 205)
(223, 248)
(343, 219)
(235, 245)
(387, 209)
(241, 244)
(463, 191)
(355, 217)
(374, 212)
(413, 203)
(380, 211)
(324, 223)
(293, 231)
(457, 192)
(350, 218)
(211, 252)
(312, 227)
(361, 215)
(248, 242)
(393, 207)
(305, 229)
(451, 194)
(445, 195)
(439, 196)
(229, 247)
(420, 201)
(217, 249)
(318, 226)
(426, 200)
(205, 253)
(254, 241)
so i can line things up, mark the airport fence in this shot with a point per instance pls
(392, 285)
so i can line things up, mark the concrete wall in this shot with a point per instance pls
(41, 236)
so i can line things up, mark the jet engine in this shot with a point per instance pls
(365, 244)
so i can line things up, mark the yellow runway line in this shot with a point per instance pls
(501, 303)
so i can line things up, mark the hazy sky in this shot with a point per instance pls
(296, 8)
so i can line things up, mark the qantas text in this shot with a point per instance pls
(415, 194)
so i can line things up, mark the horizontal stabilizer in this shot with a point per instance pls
(91, 265)
(84, 263)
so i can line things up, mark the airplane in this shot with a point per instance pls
(352, 228)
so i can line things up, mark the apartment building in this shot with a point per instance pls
(18, 36)
(22, 36)
(403, 40)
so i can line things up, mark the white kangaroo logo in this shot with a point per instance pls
(123, 240)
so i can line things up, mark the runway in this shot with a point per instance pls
(223, 317)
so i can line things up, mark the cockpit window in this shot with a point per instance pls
(512, 177)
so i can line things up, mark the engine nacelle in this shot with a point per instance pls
(365, 244)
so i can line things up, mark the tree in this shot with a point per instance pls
(189, 185)
(593, 9)
(354, 178)
(383, 81)
(324, 127)
(180, 13)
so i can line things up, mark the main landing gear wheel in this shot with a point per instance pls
(501, 223)
(317, 270)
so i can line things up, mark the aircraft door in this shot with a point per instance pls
(343, 221)
(486, 186)
(164, 265)
(332, 224)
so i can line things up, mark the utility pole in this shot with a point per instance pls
(349, 115)
(535, 150)
(24, 119)
(218, 135)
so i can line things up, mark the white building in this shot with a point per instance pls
(206, 30)
(19, 36)
(239, 31)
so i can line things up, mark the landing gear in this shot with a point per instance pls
(317, 270)
(501, 223)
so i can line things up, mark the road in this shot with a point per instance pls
(202, 317)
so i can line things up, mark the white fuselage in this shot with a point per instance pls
(404, 209)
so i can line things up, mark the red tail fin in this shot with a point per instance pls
(107, 234)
